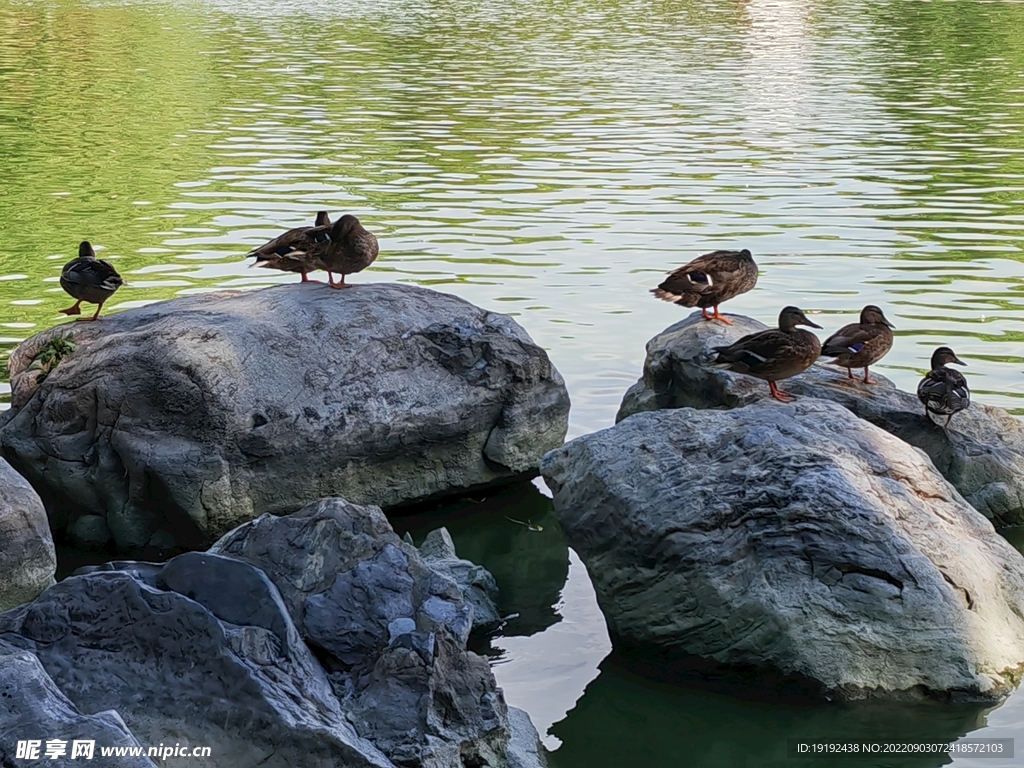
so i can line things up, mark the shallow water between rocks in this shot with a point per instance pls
(552, 161)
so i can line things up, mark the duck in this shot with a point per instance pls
(296, 250)
(860, 345)
(352, 249)
(944, 391)
(710, 280)
(773, 354)
(88, 279)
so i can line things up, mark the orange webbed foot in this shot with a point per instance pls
(720, 317)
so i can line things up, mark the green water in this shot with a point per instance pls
(550, 160)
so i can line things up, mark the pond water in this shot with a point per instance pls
(550, 160)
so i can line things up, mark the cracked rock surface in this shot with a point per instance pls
(981, 453)
(175, 422)
(795, 538)
(316, 639)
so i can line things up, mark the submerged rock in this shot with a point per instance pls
(792, 538)
(179, 420)
(28, 561)
(981, 453)
(477, 585)
(314, 639)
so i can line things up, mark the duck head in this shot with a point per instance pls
(791, 317)
(343, 226)
(872, 315)
(944, 356)
(85, 250)
(322, 219)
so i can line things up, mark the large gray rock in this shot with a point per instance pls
(393, 628)
(27, 558)
(981, 453)
(216, 646)
(795, 538)
(177, 672)
(179, 420)
(32, 708)
(477, 585)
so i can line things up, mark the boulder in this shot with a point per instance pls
(391, 628)
(177, 421)
(314, 639)
(32, 708)
(478, 587)
(981, 453)
(28, 561)
(177, 672)
(795, 539)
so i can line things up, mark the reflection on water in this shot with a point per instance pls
(515, 535)
(549, 160)
(704, 729)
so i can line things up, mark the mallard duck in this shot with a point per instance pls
(296, 250)
(944, 391)
(352, 249)
(859, 345)
(709, 280)
(774, 354)
(88, 279)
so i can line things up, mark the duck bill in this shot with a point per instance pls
(958, 361)
(886, 322)
(810, 324)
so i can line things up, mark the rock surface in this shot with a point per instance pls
(33, 708)
(795, 538)
(394, 629)
(316, 639)
(179, 420)
(981, 454)
(28, 561)
(477, 585)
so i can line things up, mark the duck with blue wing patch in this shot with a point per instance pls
(773, 354)
(709, 280)
(88, 279)
(944, 391)
(862, 344)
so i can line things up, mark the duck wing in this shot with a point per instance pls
(705, 275)
(944, 391)
(295, 248)
(93, 273)
(754, 351)
(851, 339)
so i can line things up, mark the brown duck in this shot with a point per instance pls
(88, 279)
(709, 280)
(859, 345)
(352, 249)
(296, 250)
(944, 391)
(774, 354)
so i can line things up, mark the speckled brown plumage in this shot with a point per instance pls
(773, 354)
(709, 280)
(860, 345)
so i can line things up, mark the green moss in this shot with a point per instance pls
(55, 350)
